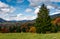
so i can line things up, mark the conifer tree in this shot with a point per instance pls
(43, 20)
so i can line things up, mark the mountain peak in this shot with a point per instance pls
(2, 20)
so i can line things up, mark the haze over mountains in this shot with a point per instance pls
(2, 20)
(52, 16)
(55, 16)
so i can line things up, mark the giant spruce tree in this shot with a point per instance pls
(43, 20)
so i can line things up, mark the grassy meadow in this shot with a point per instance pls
(29, 36)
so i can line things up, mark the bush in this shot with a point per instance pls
(32, 29)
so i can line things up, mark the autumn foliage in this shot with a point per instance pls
(56, 21)
(32, 29)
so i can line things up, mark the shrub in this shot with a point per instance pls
(32, 29)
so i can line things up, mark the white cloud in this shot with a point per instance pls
(31, 17)
(57, 12)
(55, 0)
(22, 17)
(50, 7)
(36, 11)
(38, 7)
(38, 2)
(34, 2)
(3, 5)
(28, 10)
(5, 9)
(18, 15)
(34, 17)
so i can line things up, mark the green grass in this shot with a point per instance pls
(29, 36)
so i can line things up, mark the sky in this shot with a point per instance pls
(26, 9)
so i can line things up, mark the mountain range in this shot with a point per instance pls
(52, 16)
(55, 16)
(2, 20)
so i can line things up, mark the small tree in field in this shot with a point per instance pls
(43, 20)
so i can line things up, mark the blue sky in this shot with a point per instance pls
(26, 9)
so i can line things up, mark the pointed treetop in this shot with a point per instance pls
(43, 5)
